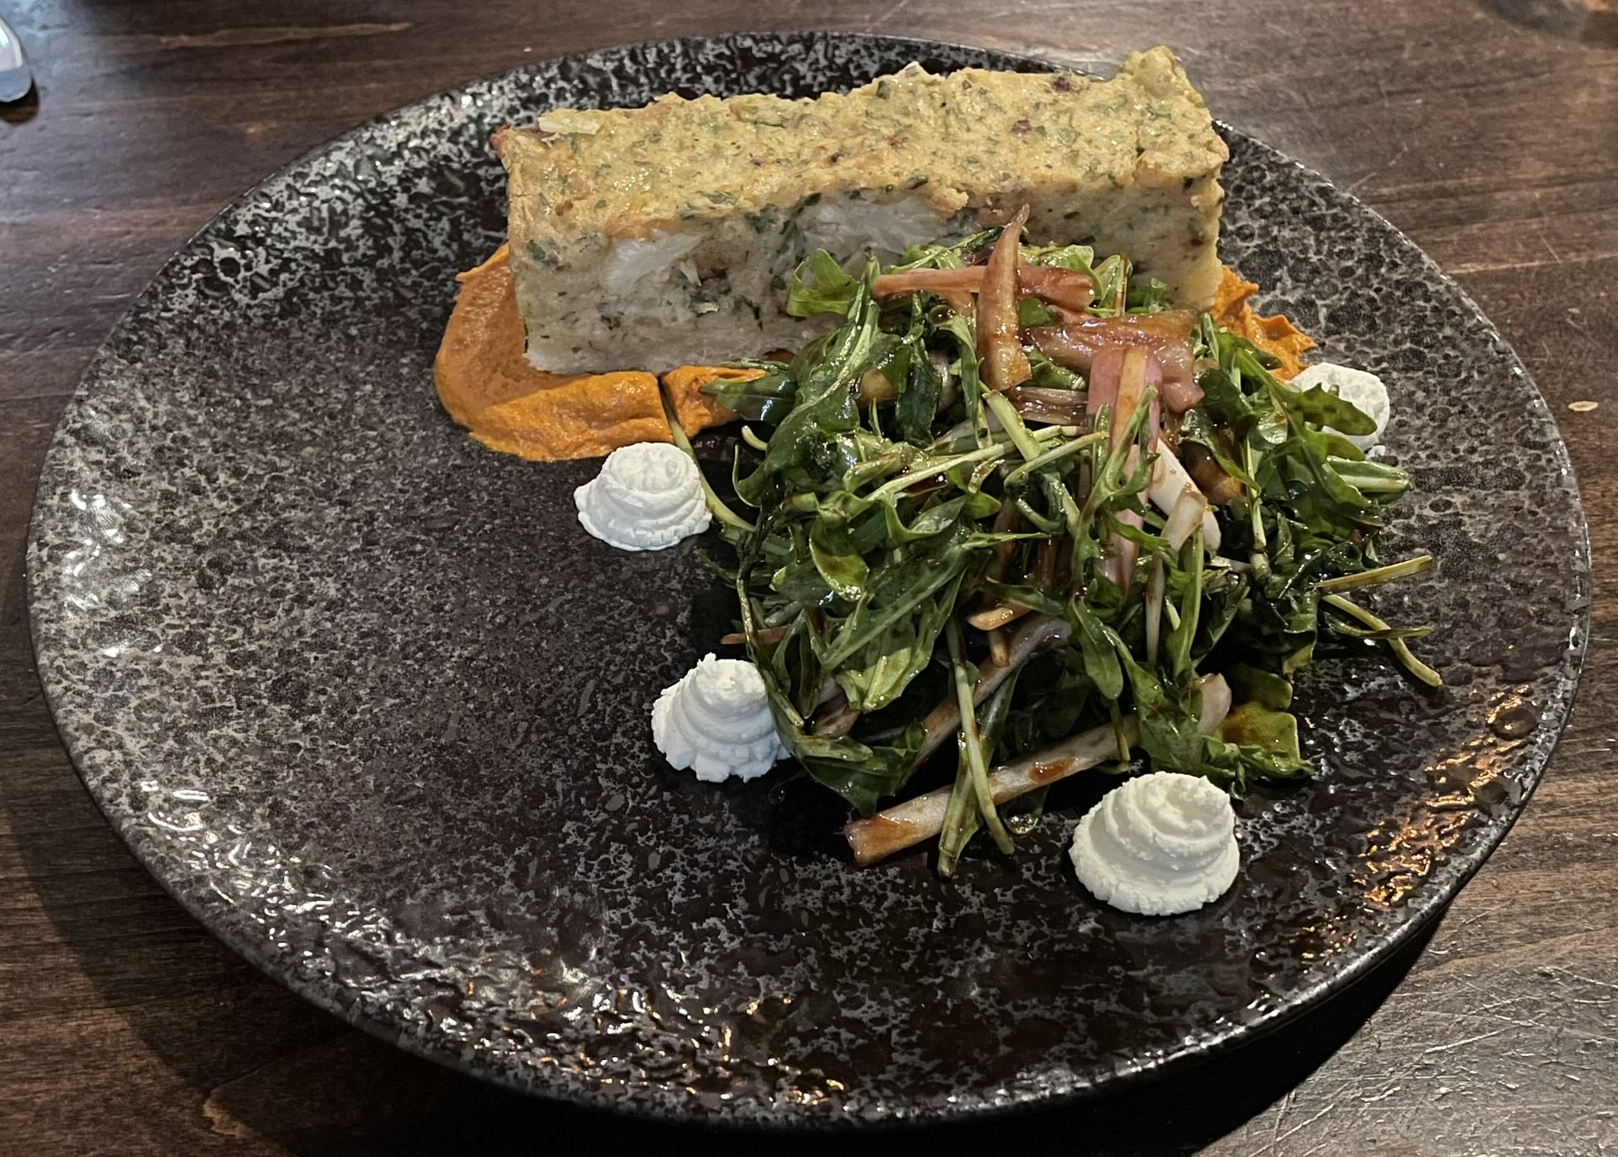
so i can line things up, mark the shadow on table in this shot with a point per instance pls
(265, 1063)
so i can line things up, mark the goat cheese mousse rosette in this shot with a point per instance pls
(1159, 845)
(648, 496)
(717, 722)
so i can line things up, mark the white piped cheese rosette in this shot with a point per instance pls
(648, 496)
(1158, 845)
(716, 721)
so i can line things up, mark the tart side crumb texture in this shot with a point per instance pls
(663, 236)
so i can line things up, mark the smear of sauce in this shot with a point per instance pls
(1232, 308)
(1049, 771)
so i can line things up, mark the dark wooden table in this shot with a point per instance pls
(1486, 129)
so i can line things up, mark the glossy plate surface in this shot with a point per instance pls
(369, 702)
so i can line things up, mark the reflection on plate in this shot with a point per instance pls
(367, 700)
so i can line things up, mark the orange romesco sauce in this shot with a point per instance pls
(1276, 335)
(485, 382)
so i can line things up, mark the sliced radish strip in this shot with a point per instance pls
(1170, 486)
(999, 347)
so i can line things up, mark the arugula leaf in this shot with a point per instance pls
(1327, 409)
(1079, 258)
(1050, 376)
(1031, 312)
(1252, 724)
(812, 438)
(950, 256)
(1252, 685)
(837, 560)
(763, 399)
(820, 285)
(862, 775)
(920, 386)
(1153, 297)
(1111, 279)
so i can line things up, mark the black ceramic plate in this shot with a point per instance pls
(369, 702)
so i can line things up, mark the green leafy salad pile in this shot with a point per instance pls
(952, 538)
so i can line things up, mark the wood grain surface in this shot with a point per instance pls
(1486, 129)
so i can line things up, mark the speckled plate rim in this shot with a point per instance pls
(1437, 890)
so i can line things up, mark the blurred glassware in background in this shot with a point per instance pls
(15, 79)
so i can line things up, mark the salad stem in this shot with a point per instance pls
(1185, 629)
(1377, 575)
(960, 822)
(976, 764)
(1050, 456)
(1155, 595)
(716, 505)
(937, 466)
(1260, 558)
(909, 823)
(1400, 648)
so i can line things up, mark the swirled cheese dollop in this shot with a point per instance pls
(1356, 387)
(1159, 845)
(716, 721)
(647, 496)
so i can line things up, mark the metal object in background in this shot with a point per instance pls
(15, 79)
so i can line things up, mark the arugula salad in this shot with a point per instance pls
(1016, 505)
